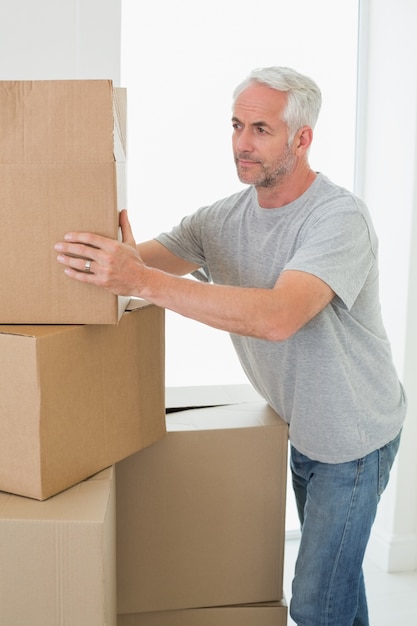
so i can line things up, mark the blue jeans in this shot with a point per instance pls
(336, 505)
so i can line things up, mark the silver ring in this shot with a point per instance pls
(87, 266)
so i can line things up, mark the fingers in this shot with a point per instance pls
(82, 276)
(76, 264)
(87, 241)
(81, 254)
(86, 246)
(82, 242)
(127, 233)
(100, 260)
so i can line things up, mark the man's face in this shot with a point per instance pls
(260, 137)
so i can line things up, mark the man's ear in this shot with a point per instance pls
(303, 140)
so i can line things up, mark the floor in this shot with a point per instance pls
(392, 598)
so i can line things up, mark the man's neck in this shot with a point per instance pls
(287, 191)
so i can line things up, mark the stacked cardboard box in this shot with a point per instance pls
(62, 168)
(75, 399)
(82, 373)
(200, 521)
(57, 557)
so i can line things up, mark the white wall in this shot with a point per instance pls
(50, 39)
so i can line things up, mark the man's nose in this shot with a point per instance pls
(244, 142)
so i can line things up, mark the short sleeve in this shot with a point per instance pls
(339, 249)
(184, 240)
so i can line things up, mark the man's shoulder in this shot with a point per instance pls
(327, 188)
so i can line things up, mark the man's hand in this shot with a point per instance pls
(101, 261)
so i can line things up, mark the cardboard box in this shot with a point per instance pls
(200, 514)
(271, 614)
(62, 168)
(57, 558)
(203, 396)
(76, 399)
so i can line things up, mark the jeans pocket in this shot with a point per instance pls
(386, 457)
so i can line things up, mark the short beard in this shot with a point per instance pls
(275, 176)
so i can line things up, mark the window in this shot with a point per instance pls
(180, 64)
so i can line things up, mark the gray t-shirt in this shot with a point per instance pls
(333, 381)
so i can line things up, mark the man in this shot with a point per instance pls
(289, 268)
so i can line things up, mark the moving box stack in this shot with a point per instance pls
(82, 377)
(113, 513)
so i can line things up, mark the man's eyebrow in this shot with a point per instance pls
(260, 123)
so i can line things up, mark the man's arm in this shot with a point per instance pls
(154, 254)
(272, 314)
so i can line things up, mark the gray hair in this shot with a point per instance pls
(304, 96)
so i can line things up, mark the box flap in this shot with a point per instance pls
(120, 123)
(245, 415)
(137, 303)
(181, 398)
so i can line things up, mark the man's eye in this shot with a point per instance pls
(261, 130)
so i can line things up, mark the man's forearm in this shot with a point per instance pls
(239, 310)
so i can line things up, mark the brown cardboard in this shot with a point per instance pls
(200, 514)
(58, 558)
(76, 399)
(271, 614)
(62, 168)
